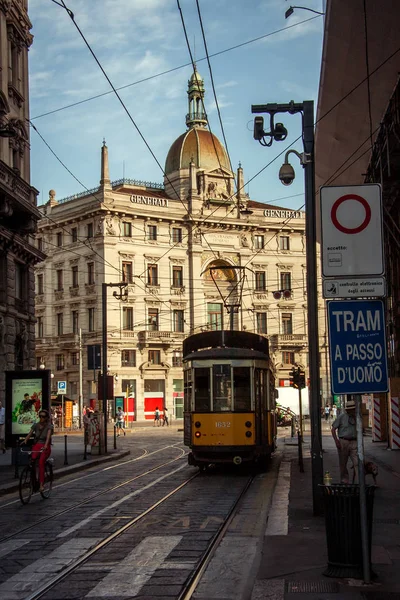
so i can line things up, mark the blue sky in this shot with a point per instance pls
(137, 39)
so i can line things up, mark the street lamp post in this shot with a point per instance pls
(277, 133)
(122, 295)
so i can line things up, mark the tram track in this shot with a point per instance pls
(93, 496)
(49, 588)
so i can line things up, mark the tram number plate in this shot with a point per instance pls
(222, 424)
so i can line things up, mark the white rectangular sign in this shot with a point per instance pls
(357, 287)
(351, 224)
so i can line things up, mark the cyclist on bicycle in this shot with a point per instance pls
(41, 448)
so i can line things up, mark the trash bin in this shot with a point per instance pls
(343, 529)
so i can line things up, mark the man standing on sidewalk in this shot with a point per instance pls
(346, 439)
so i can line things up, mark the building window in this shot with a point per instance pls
(127, 318)
(60, 323)
(75, 321)
(75, 358)
(59, 277)
(287, 323)
(89, 230)
(152, 319)
(40, 284)
(284, 242)
(261, 281)
(75, 280)
(90, 273)
(40, 244)
(176, 358)
(177, 235)
(178, 320)
(128, 358)
(288, 358)
(91, 319)
(155, 357)
(126, 229)
(127, 272)
(74, 234)
(177, 276)
(59, 238)
(258, 242)
(152, 232)
(59, 362)
(214, 315)
(261, 322)
(40, 327)
(286, 281)
(152, 274)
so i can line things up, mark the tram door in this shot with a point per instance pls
(260, 404)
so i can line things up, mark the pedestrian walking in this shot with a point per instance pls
(120, 424)
(156, 417)
(346, 439)
(2, 428)
(165, 417)
(327, 412)
(334, 412)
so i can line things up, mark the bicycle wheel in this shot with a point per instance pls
(48, 481)
(25, 485)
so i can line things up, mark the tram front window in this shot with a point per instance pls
(202, 393)
(222, 387)
(241, 385)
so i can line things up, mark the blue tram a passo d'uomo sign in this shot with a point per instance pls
(357, 345)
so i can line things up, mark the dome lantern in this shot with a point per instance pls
(197, 115)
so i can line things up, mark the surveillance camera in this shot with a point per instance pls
(286, 174)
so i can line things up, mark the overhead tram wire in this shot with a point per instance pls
(242, 44)
(201, 98)
(212, 80)
(259, 172)
(71, 15)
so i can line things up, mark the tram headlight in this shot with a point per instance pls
(197, 434)
(197, 424)
(248, 434)
(248, 423)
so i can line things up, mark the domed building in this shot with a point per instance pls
(192, 254)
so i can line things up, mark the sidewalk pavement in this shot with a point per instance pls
(294, 553)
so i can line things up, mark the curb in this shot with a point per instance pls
(67, 470)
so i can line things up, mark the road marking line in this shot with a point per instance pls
(132, 573)
(28, 579)
(278, 518)
(116, 503)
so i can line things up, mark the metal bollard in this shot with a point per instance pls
(300, 447)
(65, 450)
(115, 437)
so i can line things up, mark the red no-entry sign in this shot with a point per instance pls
(351, 224)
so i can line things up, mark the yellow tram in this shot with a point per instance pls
(229, 399)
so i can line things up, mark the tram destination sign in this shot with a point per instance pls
(357, 344)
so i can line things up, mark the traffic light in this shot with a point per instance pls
(294, 378)
(301, 379)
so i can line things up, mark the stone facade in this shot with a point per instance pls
(18, 210)
(195, 255)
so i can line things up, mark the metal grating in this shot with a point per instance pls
(316, 587)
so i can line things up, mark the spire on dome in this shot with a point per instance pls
(196, 115)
